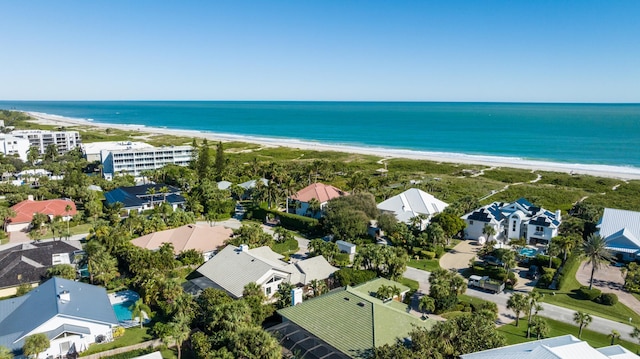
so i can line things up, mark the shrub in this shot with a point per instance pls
(439, 250)
(546, 278)
(589, 294)
(428, 255)
(350, 276)
(118, 332)
(543, 261)
(607, 299)
(287, 220)
(341, 259)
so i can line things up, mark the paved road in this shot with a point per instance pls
(601, 325)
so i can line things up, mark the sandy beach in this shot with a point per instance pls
(626, 173)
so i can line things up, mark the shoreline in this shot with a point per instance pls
(618, 172)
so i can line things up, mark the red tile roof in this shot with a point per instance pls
(320, 191)
(52, 207)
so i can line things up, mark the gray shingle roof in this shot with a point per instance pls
(19, 316)
(28, 263)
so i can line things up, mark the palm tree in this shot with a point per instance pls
(68, 209)
(552, 251)
(518, 303)
(151, 191)
(314, 207)
(426, 304)
(509, 260)
(488, 231)
(532, 302)
(5, 353)
(384, 292)
(614, 335)
(635, 333)
(35, 344)
(540, 327)
(178, 331)
(595, 249)
(318, 287)
(138, 309)
(583, 320)
(565, 244)
(6, 214)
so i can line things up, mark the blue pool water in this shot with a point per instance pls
(528, 252)
(122, 310)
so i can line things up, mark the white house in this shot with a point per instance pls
(346, 247)
(413, 203)
(320, 192)
(14, 146)
(71, 314)
(519, 219)
(235, 267)
(563, 347)
(621, 231)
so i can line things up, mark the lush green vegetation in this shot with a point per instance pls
(131, 336)
(413, 284)
(568, 296)
(286, 248)
(510, 175)
(428, 265)
(515, 335)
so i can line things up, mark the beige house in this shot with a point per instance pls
(203, 238)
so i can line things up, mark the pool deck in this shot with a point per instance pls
(123, 296)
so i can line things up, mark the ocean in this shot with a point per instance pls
(601, 134)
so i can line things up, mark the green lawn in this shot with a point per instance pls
(413, 284)
(515, 335)
(286, 248)
(79, 229)
(429, 265)
(566, 297)
(131, 336)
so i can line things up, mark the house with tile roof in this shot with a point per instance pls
(71, 314)
(621, 230)
(146, 196)
(28, 263)
(235, 267)
(321, 192)
(413, 203)
(26, 209)
(352, 320)
(519, 219)
(562, 347)
(201, 237)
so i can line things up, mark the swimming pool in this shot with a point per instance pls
(528, 252)
(122, 310)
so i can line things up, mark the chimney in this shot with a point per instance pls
(558, 212)
(244, 248)
(64, 296)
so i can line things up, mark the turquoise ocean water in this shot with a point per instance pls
(572, 133)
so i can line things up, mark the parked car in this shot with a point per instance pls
(493, 261)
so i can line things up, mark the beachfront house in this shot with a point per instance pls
(413, 203)
(65, 141)
(235, 267)
(146, 196)
(519, 219)
(202, 238)
(347, 322)
(318, 193)
(28, 263)
(73, 315)
(621, 231)
(25, 210)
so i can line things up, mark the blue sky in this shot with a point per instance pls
(532, 51)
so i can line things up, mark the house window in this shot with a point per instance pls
(513, 226)
(539, 229)
(268, 290)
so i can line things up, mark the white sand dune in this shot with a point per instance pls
(493, 161)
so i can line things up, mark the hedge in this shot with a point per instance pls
(288, 220)
(350, 276)
(589, 294)
(607, 299)
(543, 261)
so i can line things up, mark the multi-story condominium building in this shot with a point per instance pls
(14, 146)
(65, 141)
(92, 150)
(136, 160)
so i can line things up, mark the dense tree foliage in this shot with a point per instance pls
(348, 217)
(386, 261)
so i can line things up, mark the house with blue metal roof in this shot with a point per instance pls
(71, 314)
(621, 230)
(146, 196)
(518, 219)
